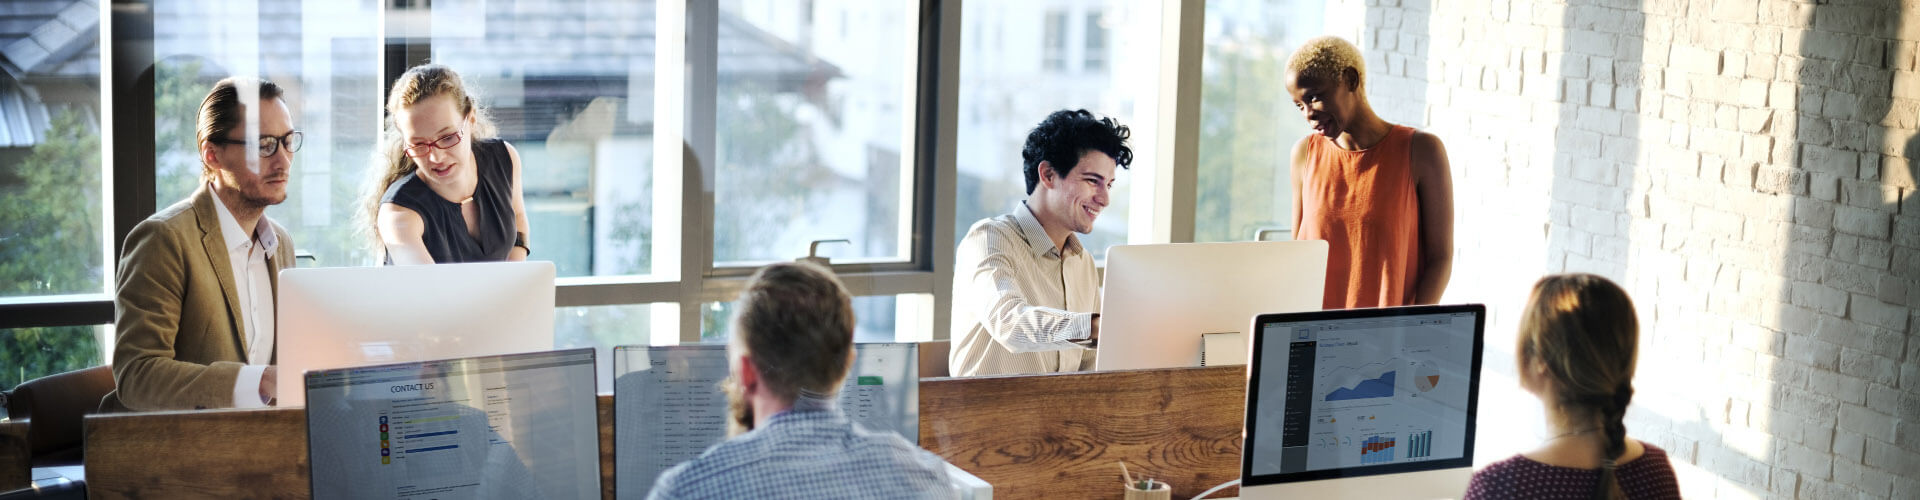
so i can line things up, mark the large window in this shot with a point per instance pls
(668, 147)
(1248, 124)
(570, 85)
(30, 353)
(323, 54)
(51, 222)
(1007, 88)
(812, 110)
(876, 319)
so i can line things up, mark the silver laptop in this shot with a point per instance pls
(353, 316)
(511, 426)
(1187, 304)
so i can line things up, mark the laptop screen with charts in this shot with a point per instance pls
(512, 426)
(668, 406)
(1363, 393)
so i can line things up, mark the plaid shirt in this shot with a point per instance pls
(809, 451)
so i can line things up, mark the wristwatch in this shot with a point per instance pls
(520, 240)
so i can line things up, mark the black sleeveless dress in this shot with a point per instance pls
(446, 233)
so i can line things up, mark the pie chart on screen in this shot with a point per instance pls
(1425, 377)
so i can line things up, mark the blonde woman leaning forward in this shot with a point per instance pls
(448, 191)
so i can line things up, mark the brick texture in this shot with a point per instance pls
(1744, 168)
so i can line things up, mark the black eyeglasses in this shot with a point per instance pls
(444, 142)
(269, 145)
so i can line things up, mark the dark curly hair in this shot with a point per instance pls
(1066, 135)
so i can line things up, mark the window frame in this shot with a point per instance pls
(1164, 194)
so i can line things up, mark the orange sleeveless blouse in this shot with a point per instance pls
(1364, 205)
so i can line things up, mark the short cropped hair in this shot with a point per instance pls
(795, 320)
(1326, 58)
(220, 111)
(1065, 135)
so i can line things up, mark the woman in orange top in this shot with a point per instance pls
(1380, 194)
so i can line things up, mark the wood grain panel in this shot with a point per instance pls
(1060, 436)
(16, 456)
(206, 454)
(603, 406)
(226, 454)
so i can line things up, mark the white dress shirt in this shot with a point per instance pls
(254, 288)
(1018, 302)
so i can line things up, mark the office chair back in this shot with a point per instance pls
(54, 406)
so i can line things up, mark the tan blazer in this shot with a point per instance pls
(179, 342)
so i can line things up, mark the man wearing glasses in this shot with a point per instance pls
(194, 295)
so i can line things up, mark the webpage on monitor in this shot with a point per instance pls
(517, 426)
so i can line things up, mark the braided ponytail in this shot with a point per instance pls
(1582, 327)
(1614, 424)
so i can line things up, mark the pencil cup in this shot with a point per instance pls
(1159, 491)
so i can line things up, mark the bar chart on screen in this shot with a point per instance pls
(1377, 450)
(1420, 444)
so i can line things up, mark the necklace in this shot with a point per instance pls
(1571, 434)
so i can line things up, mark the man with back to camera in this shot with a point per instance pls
(791, 349)
(195, 292)
(1025, 292)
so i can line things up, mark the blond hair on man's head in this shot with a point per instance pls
(1326, 58)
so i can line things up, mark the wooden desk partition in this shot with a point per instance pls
(1046, 436)
(16, 455)
(225, 454)
(1060, 436)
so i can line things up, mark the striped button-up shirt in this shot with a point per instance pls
(809, 451)
(1019, 303)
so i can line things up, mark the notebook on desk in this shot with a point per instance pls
(512, 426)
(668, 406)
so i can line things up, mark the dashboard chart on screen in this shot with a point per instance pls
(1345, 390)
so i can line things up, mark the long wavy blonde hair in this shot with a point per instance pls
(418, 84)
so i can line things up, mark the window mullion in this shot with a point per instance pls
(938, 120)
(687, 65)
(1164, 212)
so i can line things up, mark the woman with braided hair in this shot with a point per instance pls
(1576, 352)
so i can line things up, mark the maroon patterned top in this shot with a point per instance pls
(1647, 477)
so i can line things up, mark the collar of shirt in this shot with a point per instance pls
(236, 237)
(807, 404)
(1036, 234)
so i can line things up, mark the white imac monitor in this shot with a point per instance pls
(1162, 303)
(668, 406)
(514, 426)
(1363, 403)
(353, 316)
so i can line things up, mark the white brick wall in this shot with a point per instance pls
(1745, 168)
